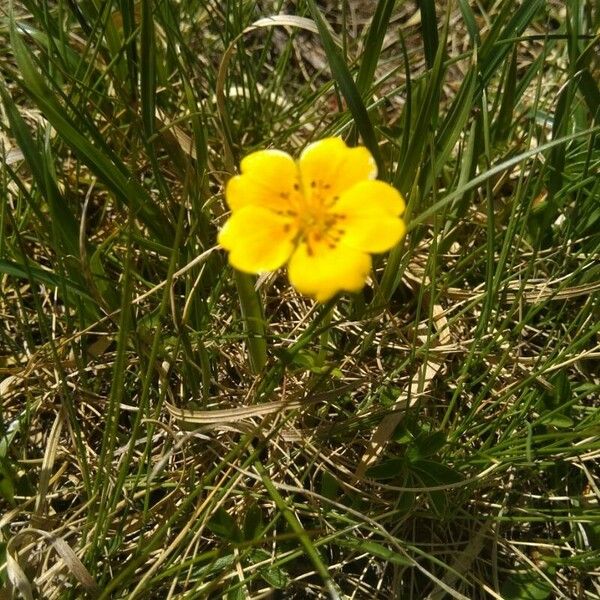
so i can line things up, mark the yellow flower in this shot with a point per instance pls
(322, 215)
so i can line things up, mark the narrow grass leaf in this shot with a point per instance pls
(147, 68)
(348, 88)
(62, 217)
(493, 53)
(505, 119)
(429, 30)
(470, 22)
(43, 276)
(114, 176)
(373, 44)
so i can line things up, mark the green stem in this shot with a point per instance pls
(254, 321)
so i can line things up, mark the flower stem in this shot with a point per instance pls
(254, 322)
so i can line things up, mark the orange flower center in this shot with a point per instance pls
(312, 215)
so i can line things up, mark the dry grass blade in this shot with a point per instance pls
(231, 415)
(16, 576)
(64, 551)
(46, 468)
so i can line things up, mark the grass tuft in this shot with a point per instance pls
(172, 430)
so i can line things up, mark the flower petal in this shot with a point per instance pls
(369, 216)
(370, 196)
(258, 240)
(269, 178)
(329, 167)
(327, 271)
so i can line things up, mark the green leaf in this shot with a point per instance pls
(329, 485)
(559, 421)
(45, 276)
(253, 522)
(223, 525)
(433, 473)
(391, 468)
(7, 480)
(470, 22)
(147, 68)
(238, 592)
(450, 130)
(426, 445)
(428, 113)
(104, 284)
(493, 51)
(127, 8)
(556, 160)
(61, 217)
(505, 120)
(275, 577)
(526, 585)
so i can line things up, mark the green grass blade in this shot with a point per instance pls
(114, 176)
(373, 44)
(341, 73)
(44, 276)
(62, 218)
(504, 121)
(147, 68)
(470, 22)
(429, 30)
(493, 52)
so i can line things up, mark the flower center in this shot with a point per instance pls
(320, 228)
(315, 220)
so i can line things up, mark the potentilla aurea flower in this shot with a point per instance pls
(322, 215)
